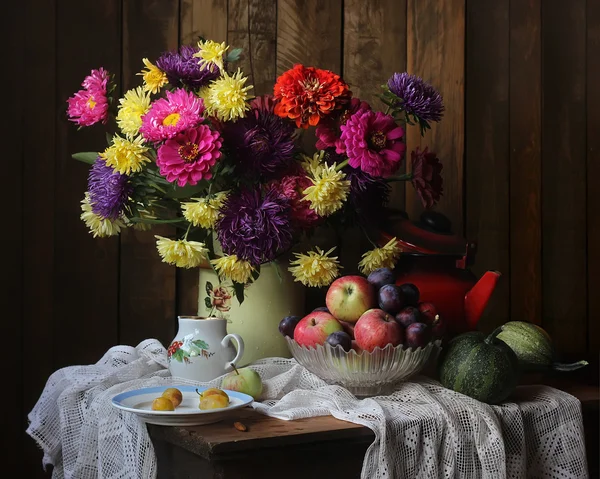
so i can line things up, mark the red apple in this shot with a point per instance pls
(348, 327)
(314, 328)
(350, 296)
(377, 328)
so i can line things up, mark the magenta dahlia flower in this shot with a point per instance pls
(188, 157)
(427, 176)
(373, 142)
(291, 188)
(169, 116)
(90, 105)
(255, 225)
(328, 130)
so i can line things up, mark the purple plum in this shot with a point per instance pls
(417, 335)
(411, 294)
(438, 328)
(390, 298)
(288, 324)
(341, 338)
(380, 277)
(408, 316)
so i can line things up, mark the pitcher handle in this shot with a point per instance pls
(240, 349)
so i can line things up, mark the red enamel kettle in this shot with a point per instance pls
(437, 261)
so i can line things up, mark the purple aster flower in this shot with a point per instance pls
(182, 68)
(262, 142)
(417, 97)
(108, 189)
(255, 226)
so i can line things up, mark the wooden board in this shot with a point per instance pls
(487, 153)
(147, 286)
(593, 172)
(309, 32)
(563, 175)
(252, 26)
(525, 161)
(86, 268)
(435, 52)
(203, 18)
(374, 49)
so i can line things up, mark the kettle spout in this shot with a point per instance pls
(477, 298)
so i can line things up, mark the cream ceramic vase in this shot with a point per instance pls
(202, 349)
(266, 301)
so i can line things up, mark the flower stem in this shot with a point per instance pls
(187, 231)
(406, 177)
(342, 164)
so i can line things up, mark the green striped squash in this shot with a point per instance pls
(533, 346)
(479, 366)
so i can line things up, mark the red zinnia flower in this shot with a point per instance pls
(426, 176)
(307, 94)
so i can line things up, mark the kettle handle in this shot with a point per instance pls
(240, 349)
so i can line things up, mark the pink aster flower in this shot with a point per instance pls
(90, 105)
(373, 142)
(291, 187)
(328, 130)
(188, 157)
(169, 116)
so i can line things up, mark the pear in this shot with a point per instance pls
(244, 380)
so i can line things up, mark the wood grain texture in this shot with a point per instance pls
(309, 32)
(13, 22)
(525, 161)
(375, 48)
(38, 227)
(147, 286)
(593, 172)
(436, 52)
(252, 26)
(85, 268)
(487, 148)
(563, 175)
(203, 18)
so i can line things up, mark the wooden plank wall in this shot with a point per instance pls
(519, 143)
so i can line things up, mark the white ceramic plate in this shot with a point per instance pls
(139, 401)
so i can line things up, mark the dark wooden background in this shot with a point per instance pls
(520, 145)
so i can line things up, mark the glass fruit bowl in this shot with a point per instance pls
(364, 373)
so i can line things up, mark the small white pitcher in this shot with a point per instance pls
(202, 349)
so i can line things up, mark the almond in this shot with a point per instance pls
(239, 426)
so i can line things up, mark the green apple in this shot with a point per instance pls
(244, 380)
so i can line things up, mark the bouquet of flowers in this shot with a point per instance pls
(194, 149)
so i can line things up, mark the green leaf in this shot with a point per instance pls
(208, 303)
(178, 355)
(88, 157)
(201, 344)
(256, 273)
(234, 55)
(209, 287)
(239, 291)
(109, 138)
(187, 191)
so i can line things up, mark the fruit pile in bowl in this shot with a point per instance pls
(372, 334)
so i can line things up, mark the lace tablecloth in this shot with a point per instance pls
(422, 430)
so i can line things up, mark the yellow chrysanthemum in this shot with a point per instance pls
(328, 191)
(211, 53)
(154, 77)
(312, 164)
(100, 227)
(315, 268)
(126, 155)
(204, 212)
(233, 268)
(181, 253)
(134, 104)
(227, 97)
(384, 257)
